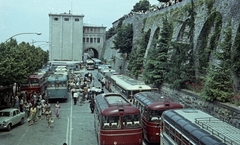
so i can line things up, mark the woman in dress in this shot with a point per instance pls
(48, 114)
(32, 117)
(57, 109)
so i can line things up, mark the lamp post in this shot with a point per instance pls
(21, 34)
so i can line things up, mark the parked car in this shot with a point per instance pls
(10, 117)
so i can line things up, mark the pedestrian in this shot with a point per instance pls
(57, 109)
(64, 143)
(27, 107)
(16, 102)
(21, 103)
(103, 82)
(75, 97)
(32, 117)
(39, 111)
(92, 104)
(48, 114)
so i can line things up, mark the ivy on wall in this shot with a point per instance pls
(236, 53)
(206, 47)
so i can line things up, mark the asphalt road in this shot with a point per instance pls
(75, 127)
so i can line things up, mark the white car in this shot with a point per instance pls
(10, 117)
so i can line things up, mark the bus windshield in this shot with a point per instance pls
(155, 115)
(131, 121)
(34, 82)
(111, 122)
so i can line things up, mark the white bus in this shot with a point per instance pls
(89, 64)
(195, 127)
(127, 86)
(97, 62)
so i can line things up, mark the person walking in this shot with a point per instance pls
(39, 111)
(57, 109)
(16, 102)
(32, 117)
(27, 107)
(21, 103)
(92, 104)
(75, 97)
(48, 114)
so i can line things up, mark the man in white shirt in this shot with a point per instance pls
(75, 97)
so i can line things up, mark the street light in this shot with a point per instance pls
(38, 41)
(22, 34)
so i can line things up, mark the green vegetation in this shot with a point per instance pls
(141, 6)
(17, 61)
(236, 53)
(209, 69)
(156, 62)
(218, 85)
(123, 39)
(205, 47)
(137, 56)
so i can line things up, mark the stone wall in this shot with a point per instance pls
(226, 112)
(229, 10)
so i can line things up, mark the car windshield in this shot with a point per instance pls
(4, 114)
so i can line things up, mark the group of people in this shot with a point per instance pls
(86, 91)
(38, 109)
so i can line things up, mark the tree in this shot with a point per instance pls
(111, 32)
(141, 6)
(123, 40)
(156, 63)
(218, 85)
(18, 61)
(137, 57)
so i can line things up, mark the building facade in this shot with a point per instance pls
(69, 37)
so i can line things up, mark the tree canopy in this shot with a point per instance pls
(156, 62)
(18, 61)
(124, 38)
(141, 6)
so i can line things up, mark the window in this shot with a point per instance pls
(98, 40)
(55, 19)
(87, 40)
(77, 19)
(95, 40)
(66, 19)
(91, 40)
(83, 40)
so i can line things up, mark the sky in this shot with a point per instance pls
(31, 16)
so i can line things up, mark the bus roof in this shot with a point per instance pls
(57, 77)
(155, 101)
(190, 118)
(110, 103)
(130, 84)
(36, 76)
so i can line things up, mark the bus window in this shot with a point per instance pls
(131, 121)
(155, 115)
(111, 122)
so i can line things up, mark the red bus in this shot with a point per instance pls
(36, 83)
(152, 105)
(117, 121)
